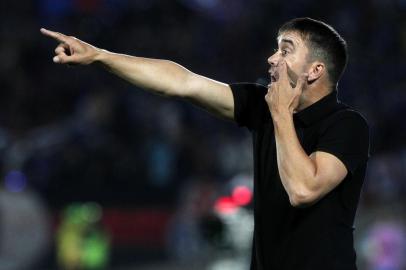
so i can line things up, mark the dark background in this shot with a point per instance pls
(73, 135)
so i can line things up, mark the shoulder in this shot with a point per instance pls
(250, 108)
(345, 134)
(347, 116)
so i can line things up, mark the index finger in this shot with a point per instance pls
(55, 35)
(283, 72)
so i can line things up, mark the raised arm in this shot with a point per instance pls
(158, 76)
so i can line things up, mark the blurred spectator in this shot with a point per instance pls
(24, 227)
(81, 243)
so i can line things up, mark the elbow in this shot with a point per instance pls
(170, 92)
(175, 91)
(302, 198)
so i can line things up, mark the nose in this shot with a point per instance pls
(273, 60)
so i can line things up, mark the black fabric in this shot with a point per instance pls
(315, 237)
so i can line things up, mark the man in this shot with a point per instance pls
(310, 150)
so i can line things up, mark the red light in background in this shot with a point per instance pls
(242, 195)
(225, 205)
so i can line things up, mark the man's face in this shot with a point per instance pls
(293, 50)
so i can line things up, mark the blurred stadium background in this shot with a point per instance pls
(96, 174)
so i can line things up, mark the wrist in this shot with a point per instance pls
(281, 115)
(100, 56)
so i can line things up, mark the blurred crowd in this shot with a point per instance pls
(78, 134)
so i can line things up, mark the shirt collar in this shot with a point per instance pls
(318, 110)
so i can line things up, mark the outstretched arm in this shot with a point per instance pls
(155, 75)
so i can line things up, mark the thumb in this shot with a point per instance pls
(301, 82)
(282, 69)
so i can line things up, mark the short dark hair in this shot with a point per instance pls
(323, 42)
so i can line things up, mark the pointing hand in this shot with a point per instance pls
(71, 50)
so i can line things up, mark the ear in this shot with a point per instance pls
(316, 70)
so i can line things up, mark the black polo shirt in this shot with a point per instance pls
(319, 236)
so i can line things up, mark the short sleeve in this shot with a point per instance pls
(250, 107)
(347, 138)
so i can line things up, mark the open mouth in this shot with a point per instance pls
(292, 77)
(274, 76)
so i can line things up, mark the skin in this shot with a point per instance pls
(305, 178)
(296, 84)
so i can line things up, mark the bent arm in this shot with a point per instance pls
(306, 179)
(157, 76)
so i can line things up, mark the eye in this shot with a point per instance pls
(284, 52)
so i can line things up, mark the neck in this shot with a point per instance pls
(311, 95)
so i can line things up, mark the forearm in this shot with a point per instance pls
(297, 171)
(158, 76)
(170, 79)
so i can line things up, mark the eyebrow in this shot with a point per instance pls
(288, 41)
